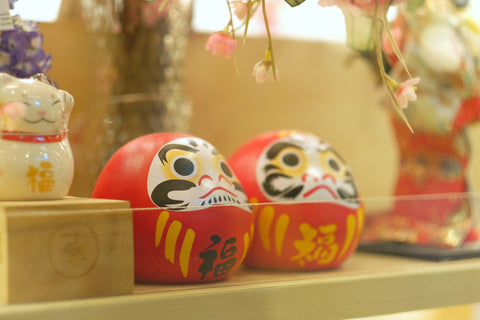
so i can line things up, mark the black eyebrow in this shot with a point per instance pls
(329, 149)
(193, 143)
(278, 147)
(162, 154)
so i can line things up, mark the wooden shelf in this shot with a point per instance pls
(366, 285)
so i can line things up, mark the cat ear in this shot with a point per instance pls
(67, 100)
(5, 78)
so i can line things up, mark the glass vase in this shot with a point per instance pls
(139, 89)
(360, 31)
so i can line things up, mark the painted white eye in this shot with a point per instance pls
(183, 167)
(291, 159)
(334, 164)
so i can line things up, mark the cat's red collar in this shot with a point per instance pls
(32, 138)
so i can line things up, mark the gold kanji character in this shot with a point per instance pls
(32, 175)
(47, 182)
(45, 173)
(317, 244)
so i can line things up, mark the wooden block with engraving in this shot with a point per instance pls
(65, 249)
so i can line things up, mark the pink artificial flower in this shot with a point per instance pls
(155, 10)
(14, 110)
(263, 70)
(10, 113)
(406, 92)
(240, 9)
(353, 6)
(221, 43)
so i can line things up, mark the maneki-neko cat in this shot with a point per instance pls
(441, 44)
(191, 219)
(36, 161)
(305, 199)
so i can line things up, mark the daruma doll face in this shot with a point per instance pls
(301, 167)
(191, 219)
(305, 200)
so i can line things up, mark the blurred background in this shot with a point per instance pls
(325, 88)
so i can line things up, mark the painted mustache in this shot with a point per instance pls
(293, 190)
(290, 192)
(160, 193)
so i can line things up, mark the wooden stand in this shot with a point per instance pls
(65, 249)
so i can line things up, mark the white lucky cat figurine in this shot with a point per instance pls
(36, 161)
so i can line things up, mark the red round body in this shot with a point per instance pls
(191, 219)
(304, 236)
(307, 211)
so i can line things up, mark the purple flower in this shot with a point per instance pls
(21, 52)
(11, 2)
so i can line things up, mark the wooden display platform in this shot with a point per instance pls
(366, 285)
(65, 249)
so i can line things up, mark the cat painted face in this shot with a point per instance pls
(189, 174)
(47, 108)
(303, 167)
(36, 160)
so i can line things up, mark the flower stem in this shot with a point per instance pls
(230, 22)
(269, 36)
(232, 32)
(397, 51)
(252, 8)
(386, 79)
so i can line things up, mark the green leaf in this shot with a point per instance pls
(415, 4)
(294, 3)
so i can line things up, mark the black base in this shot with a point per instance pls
(423, 252)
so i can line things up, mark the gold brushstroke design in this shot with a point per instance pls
(171, 240)
(351, 228)
(280, 229)
(246, 245)
(264, 223)
(186, 250)
(161, 222)
(361, 220)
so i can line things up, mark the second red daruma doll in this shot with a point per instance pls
(191, 219)
(305, 200)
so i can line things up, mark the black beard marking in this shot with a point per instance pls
(238, 187)
(293, 193)
(290, 192)
(344, 194)
(160, 197)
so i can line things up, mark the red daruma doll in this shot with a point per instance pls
(304, 197)
(191, 219)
